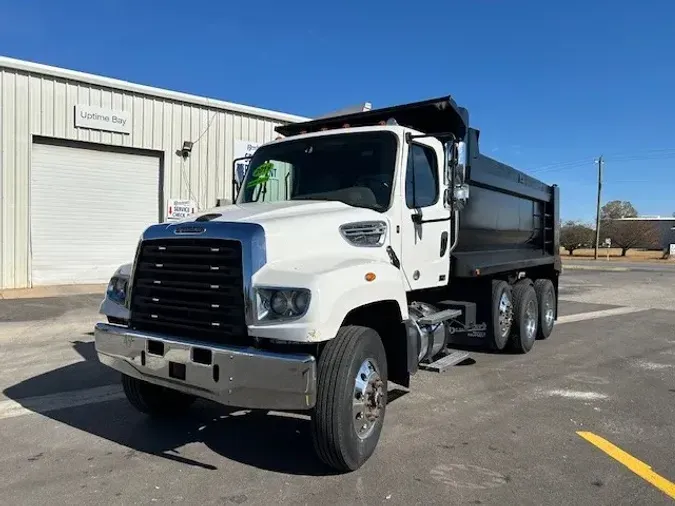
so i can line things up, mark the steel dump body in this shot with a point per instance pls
(509, 221)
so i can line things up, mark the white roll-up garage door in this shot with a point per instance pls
(88, 209)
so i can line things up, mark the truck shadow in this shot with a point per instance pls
(269, 441)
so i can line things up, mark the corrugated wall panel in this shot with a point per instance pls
(68, 120)
(118, 103)
(210, 139)
(21, 180)
(9, 169)
(4, 239)
(106, 103)
(48, 104)
(174, 173)
(221, 168)
(95, 100)
(157, 121)
(230, 135)
(33, 104)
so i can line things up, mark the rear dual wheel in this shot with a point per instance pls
(521, 314)
(501, 315)
(525, 316)
(547, 307)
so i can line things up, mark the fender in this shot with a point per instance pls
(337, 286)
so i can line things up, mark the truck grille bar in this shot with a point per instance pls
(191, 288)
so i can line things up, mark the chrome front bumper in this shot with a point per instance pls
(241, 377)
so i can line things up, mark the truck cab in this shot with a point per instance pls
(327, 277)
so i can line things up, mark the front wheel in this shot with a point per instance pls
(155, 400)
(351, 398)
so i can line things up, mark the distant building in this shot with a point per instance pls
(665, 226)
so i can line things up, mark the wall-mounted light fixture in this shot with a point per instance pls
(187, 149)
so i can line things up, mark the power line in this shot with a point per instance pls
(621, 156)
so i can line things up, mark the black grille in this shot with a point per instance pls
(190, 288)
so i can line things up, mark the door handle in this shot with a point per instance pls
(444, 243)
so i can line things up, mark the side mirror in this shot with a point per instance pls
(457, 191)
(239, 169)
(450, 162)
(460, 172)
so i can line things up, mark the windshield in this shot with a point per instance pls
(354, 168)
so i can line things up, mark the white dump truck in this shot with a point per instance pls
(357, 250)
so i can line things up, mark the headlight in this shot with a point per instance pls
(117, 289)
(365, 233)
(282, 303)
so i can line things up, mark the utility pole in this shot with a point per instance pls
(597, 215)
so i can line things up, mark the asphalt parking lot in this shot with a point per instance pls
(507, 429)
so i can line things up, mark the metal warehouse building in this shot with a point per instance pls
(88, 162)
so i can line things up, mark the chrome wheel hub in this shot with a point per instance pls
(505, 315)
(368, 399)
(531, 319)
(549, 314)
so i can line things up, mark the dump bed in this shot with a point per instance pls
(509, 221)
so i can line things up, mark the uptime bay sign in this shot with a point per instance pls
(87, 116)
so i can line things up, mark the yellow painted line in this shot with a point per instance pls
(637, 466)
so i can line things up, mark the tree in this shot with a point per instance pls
(575, 235)
(617, 209)
(631, 234)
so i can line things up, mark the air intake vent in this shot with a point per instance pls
(365, 233)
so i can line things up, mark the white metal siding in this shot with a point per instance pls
(41, 104)
(88, 208)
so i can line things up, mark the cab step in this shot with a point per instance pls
(442, 364)
(440, 317)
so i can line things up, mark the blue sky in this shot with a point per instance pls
(550, 87)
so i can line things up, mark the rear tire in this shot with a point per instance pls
(526, 316)
(155, 400)
(547, 305)
(351, 398)
(501, 315)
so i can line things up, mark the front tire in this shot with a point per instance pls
(351, 398)
(155, 400)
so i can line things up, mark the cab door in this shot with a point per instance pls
(425, 221)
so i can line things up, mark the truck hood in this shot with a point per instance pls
(301, 227)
